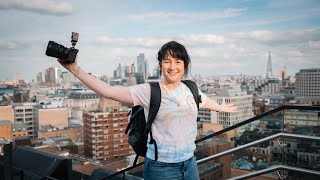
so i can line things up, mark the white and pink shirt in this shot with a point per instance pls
(175, 126)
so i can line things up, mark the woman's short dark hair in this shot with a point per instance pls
(176, 50)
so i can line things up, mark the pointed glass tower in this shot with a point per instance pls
(269, 67)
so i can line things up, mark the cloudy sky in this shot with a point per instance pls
(222, 37)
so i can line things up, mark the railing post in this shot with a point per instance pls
(21, 174)
(8, 169)
(69, 169)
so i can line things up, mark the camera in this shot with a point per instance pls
(66, 55)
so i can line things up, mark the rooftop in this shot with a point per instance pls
(83, 95)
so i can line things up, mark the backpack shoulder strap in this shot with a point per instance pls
(155, 100)
(194, 89)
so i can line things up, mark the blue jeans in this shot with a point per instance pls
(155, 170)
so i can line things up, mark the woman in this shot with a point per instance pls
(175, 127)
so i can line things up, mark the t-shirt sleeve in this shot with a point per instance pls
(140, 94)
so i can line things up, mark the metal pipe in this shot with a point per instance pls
(267, 139)
(275, 168)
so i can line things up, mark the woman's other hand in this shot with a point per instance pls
(229, 108)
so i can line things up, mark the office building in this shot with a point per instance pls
(239, 99)
(308, 86)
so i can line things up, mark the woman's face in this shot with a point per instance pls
(172, 69)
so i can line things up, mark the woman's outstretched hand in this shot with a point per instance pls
(229, 108)
(69, 67)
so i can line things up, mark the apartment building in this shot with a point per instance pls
(104, 134)
(26, 113)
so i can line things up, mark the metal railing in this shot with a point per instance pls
(273, 169)
(11, 172)
(278, 109)
(260, 141)
(9, 169)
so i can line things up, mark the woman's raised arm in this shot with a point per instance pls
(118, 93)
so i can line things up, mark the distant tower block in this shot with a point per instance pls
(269, 67)
(18, 77)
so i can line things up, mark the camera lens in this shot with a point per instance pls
(56, 50)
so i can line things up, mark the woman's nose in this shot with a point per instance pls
(172, 65)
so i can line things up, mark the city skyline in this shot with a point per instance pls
(227, 37)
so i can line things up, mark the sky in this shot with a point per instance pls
(221, 37)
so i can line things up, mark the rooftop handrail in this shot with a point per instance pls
(275, 168)
(254, 143)
(284, 107)
(280, 108)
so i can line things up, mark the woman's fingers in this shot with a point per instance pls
(231, 108)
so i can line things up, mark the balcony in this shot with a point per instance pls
(268, 146)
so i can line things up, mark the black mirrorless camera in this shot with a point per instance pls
(66, 55)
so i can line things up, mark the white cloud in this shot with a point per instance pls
(200, 52)
(184, 17)
(295, 53)
(5, 44)
(205, 38)
(38, 6)
(296, 36)
(157, 42)
(149, 42)
(261, 35)
(314, 44)
(236, 64)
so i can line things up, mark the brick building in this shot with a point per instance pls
(104, 137)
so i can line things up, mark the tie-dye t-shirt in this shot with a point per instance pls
(175, 126)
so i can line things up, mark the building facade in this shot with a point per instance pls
(26, 113)
(104, 134)
(56, 117)
(241, 100)
(308, 86)
(78, 101)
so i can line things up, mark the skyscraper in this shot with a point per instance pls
(146, 72)
(39, 77)
(50, 75)
(141, 64)
(269, 67)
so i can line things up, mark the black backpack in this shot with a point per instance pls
(139, 129)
